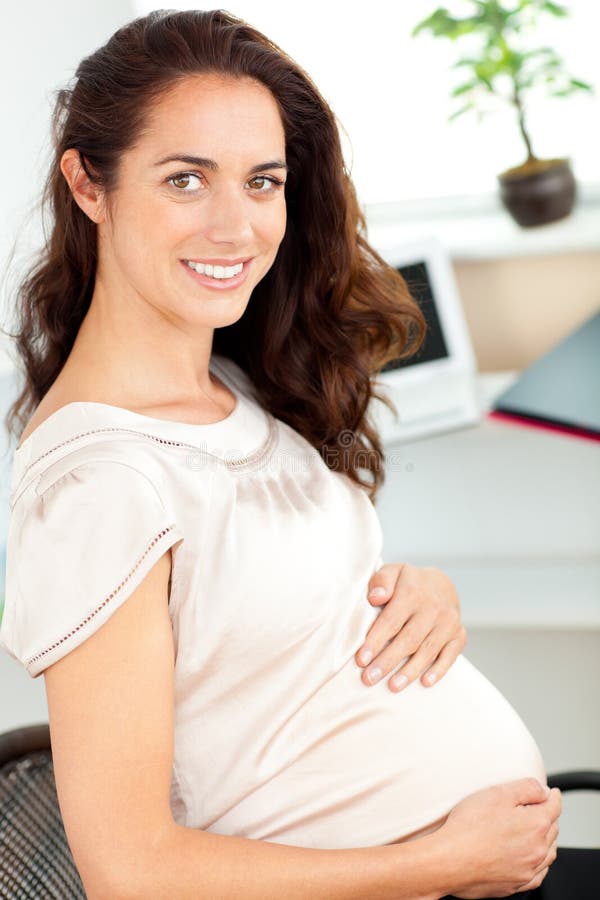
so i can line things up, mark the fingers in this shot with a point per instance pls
(551, 855)
(408, 638)
(414, 649)
(448, 656)
(553, 804)
(552, 834)
(388, 624)
(558, 794)
(534, 883)
(382, 583)
(419, 628)
(426, 663)
(528, 790)
(542, 870)
(549, 848)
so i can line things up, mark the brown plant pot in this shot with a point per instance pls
(539, 191)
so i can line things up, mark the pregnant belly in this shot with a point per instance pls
(366, 766)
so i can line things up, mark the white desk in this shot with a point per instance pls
(511, 513)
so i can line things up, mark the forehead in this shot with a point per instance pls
(214, 115)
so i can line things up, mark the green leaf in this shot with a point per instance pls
(463, 88)
(555, 8)
(525, 83)
(540, 51)
(459, 112)
(551, 63)
(582, 85)
(497, 60)
(442, 24)
(494, 15)
(464, 62)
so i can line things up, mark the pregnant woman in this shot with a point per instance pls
(199, 342)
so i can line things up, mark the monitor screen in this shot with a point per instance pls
(434, 346)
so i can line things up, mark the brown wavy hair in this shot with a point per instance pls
(328, 314)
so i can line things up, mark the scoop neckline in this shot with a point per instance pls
(152, 421)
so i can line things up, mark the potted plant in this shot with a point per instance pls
(538, 190)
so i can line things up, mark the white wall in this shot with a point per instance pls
(391, 93)
(41, 47)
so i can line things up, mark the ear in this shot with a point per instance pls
(88, 196)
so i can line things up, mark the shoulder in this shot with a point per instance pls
(48, 405)
(104, 472)
(97, 465)
(81, 538)
(104, 493)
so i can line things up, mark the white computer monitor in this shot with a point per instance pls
(435, 390)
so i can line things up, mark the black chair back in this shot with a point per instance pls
(35, 858)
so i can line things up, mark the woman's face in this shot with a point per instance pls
(204, 185)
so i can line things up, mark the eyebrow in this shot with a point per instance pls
(205, 163)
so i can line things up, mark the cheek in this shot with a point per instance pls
(156, 229)
(282, 224)
(277, 224)
(139, 246)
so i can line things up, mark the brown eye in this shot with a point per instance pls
(183, 181)
(258, 178)
(272, 183)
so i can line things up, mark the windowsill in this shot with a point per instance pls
(478, 228)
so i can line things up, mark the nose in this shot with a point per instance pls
(227, 218)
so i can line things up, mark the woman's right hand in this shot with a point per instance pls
(503, 838)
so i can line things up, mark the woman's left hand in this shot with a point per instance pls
(421, 620)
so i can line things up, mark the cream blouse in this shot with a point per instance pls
(276, 736)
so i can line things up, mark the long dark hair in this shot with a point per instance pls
(328, 314)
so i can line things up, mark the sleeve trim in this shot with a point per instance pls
(155, 548)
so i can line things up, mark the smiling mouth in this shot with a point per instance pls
(217, 276)
(215, 271)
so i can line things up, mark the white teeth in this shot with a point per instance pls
(215, 271)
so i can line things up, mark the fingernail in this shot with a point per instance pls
(400, 681)
(378, 592)
(430, 678)
(366, 656)
(374, 674)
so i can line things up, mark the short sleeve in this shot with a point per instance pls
(77, 548)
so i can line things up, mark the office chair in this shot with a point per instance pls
(575, 874)
(35, 858)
